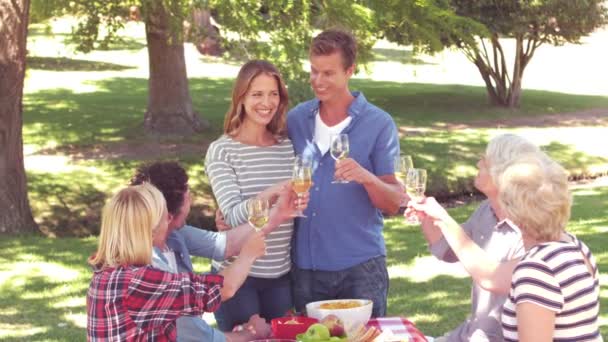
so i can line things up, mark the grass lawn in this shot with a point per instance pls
(44, 281)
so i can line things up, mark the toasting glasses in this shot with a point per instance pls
(302, 180)
(403, 163)
(415, 186)
(258, 211)
(339, 150)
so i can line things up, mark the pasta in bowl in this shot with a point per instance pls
(352, 312)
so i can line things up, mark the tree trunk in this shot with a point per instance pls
(15, 212)
(170, 110)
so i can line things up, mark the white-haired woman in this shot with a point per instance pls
(554, 287)
(487, 245)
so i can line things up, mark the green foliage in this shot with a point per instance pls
(550, 21)
(281, 30)
(428, 25)
(472, 25)
(41, 10)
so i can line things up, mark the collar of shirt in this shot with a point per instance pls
(355, 109)
(506, 223)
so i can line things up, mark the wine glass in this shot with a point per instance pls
(258, 211)
(402, 164)
(415, 186)
(302, 180)
(339, 150)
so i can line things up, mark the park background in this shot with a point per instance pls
(83, 135)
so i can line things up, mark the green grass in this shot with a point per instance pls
(44, 281)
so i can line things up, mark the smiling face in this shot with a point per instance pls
(261, 100)
(328, 76)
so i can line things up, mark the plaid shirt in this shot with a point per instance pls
(142, 303)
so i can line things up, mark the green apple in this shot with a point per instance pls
(317, 332)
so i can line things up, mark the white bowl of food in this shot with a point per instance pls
(352, 312)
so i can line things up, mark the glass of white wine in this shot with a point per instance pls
(339, 150)
(415, 186)
(402, 164)
(302, 180)
(258, 211)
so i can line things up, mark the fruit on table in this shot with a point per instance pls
(334, 324)
(318, 333)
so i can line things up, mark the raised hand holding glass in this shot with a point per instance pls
(258, 211)
(339, 149)
(302, 180)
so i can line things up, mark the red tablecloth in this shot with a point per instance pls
(401, 328)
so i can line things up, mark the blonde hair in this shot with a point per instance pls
(533, 192)
(236, 113)
(502, 149)
(128, 223)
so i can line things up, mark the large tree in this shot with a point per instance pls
(169, 109)
(15, 213)
(479, 29)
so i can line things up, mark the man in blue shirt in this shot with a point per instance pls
(338, 249)
(172, 252)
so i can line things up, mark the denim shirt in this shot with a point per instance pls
(189, 240)
(185, 241)
(342, 228)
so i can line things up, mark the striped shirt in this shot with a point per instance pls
(238, 172)
(554, 276)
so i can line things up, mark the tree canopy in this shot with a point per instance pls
(477, 27)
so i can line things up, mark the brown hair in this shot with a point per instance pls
(236, 113)
(332, 40)
(169, 177)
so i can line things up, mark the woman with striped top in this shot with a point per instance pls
(555, 287)
(254, 158)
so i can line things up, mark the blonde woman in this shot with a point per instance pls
(254, 158)
(555, 287)
(127, 299)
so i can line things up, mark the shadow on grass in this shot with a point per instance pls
(46, 288)
(396, 55)
(70, 203)
(112, 113)
(440, 302)
(68, 64)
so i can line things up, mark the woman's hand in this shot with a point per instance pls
(427, 207)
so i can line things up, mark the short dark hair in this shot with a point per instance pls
(169, 177)
(332, 40)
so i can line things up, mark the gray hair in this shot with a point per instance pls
(503, 149)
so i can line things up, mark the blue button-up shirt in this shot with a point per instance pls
(342, 228)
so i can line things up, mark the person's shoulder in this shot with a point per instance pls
(219, 148)
(372, 110)
(302, 107)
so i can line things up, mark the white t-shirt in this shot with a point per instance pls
(170, 256)
(323, 132)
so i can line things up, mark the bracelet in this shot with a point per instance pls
(238, 328)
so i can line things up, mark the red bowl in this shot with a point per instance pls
(283, 327)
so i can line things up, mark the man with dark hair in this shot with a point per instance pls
(350, 214)
(172, 253)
